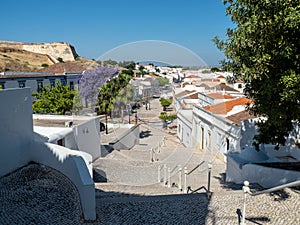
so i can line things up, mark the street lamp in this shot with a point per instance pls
(136, 117)
(129, 111)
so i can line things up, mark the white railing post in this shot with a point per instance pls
(246, 190)
(169, 177)
(180, 178)
(158, 173)
(185, 180)
(165, 174)
(151, 154)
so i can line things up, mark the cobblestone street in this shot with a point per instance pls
(40, 195)
(37, 194)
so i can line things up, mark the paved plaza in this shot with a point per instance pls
(134, 191)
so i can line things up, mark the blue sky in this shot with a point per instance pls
(97, 26)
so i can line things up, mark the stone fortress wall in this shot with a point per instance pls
(53, 50)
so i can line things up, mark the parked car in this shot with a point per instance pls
(156, 95)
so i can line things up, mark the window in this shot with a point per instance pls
(63, 81)
(208, 144)
(52, 82)
(227, 144)
(21, 83)
(71, 85)
(39, 86)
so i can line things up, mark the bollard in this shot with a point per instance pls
(165, 174)
(169, 177)
(158, 173)
(179, 178)
(185, 183)
(151, 154)
(246, 190)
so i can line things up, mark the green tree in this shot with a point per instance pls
(59, 59)
(215, 69)
(55, 99)
(167, 117)
(162, 81)
(165, 103)
(115, 95)
(263, 49)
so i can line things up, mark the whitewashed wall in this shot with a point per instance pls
(16, 130)
(215, 133)
(88, 137)
(18, 147)
(184, 130)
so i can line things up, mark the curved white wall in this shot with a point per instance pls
(19, 148)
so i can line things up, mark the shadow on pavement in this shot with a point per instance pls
(124, 208)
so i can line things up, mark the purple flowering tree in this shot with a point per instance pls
(92, 80)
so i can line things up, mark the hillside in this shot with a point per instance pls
(12, 59)
(19, 56)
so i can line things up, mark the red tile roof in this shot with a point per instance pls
(192, 96)
(183, 93)
(192, 76)
(68, 67)
(221, 77)
(210, 80)
(241, 116)
(220, 96)
(224, 87)
(225, 107)
(153, 75)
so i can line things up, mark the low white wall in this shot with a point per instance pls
(18, 148)
(128, 139)
(15, 129)
(72, 164)
(233, 171)
(268, 177)
(240, 171)
(88, 137)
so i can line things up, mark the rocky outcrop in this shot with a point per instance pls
(53, 50)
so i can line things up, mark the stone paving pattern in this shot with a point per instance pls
(37, 194)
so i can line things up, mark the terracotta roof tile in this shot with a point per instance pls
(210, 80)
(153, 75)
(241, 116)
(192, 76)
(183, 93)
(68, 67)
(220, 96)
(225, 107)
(192, 96)
(224, 87)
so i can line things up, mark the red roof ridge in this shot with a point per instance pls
(227, 106)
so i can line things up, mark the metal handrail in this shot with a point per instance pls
(247, 190)
(280, 187)
(196, 167)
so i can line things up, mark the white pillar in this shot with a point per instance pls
(165, 174)
(158, 173)
(169, 177)
(180, 178)
(246, 190)
(185, 180)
